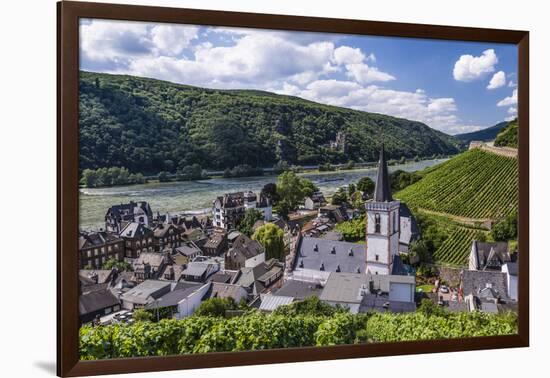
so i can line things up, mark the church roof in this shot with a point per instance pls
(382, 191)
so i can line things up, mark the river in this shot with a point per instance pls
(197, 196)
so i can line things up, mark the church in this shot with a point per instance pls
(391, 227)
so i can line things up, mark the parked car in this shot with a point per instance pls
(444, 289)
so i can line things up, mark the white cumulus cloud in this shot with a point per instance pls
(510, 100)
(470, 68)
(498, 80)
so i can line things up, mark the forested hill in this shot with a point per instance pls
(484, 135)
(148, 126)
(508, 137)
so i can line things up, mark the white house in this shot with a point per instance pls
(183, 301)
(229, 209)
(511, 270)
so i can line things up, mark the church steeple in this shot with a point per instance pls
(382, 191)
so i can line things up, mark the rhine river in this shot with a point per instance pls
(195, 197)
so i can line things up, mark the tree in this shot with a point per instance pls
(366, 185)
(141, 315)
(507, 229)
(215, 307)
(272, 238)
(290, 193)
(190, 172)
(281, 167)
(353, 230)
(250, 217)
(270, 191)
(163, 176)
(351, 190)
(121, 266)
(400, 179)
(339, 197)
(308, 187)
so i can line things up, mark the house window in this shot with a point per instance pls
(377, 223)
(376, 257)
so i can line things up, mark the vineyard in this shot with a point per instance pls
(456, 248)
(475, 184)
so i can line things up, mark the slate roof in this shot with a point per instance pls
(344, 287)
(188, 249)
(103, 275)
(173, 298)
(231, 199)
(404, 211)
(154, 259)
(215, 239)
(92, 239)
(126, 211)
(299, 289)
(491, 255)
(162, 230)
(251, 276)
(484, 284)
(135, 230)
(95, 301)
(371, 302)
(142, 292)
(270, 302)
(512, 268)
(382, 190)
(224, 290)
(315, 253)
(246, 247)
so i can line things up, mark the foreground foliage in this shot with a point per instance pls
(254, 331)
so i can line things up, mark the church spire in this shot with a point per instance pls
(382, 191)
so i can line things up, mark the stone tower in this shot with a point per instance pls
(382, 223)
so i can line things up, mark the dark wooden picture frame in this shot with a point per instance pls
(69, 13)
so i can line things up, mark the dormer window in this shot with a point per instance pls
(350, 253)
(333, 250)
(316, 248)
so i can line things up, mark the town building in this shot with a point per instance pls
(182, 301)
(95, 248)
(151, 265)
(385, 224)
(370, 292)
(216, 244)
(119, 216)
(486, 291)
(166, 236)
(144, 294)
(95, 304)
(228, 210)
(138, 238)
(315, 201)
(488, 256)
(244, 252)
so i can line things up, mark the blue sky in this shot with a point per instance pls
(454, 87)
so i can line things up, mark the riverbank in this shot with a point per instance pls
(195, 197)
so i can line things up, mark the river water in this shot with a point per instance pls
(195, 197)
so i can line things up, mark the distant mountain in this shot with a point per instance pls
(148, 126)
(508, 137)
(484, 135)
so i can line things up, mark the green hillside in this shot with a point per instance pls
(484, 135)
(508, 137)
(456, 248)
(148, 126)
(475, 184)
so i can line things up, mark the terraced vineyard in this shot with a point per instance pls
(475, 184)
(456, 248)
